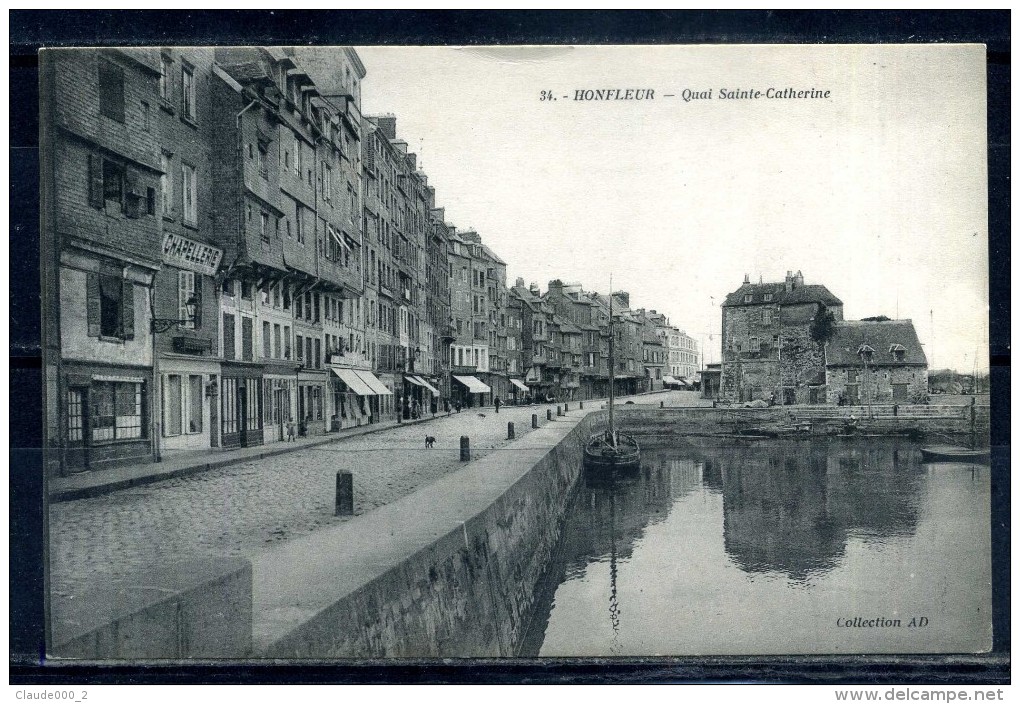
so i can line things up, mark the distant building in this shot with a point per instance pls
(767, 348)
(880, 362)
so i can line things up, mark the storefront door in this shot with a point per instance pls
(76, 454)
(242, 413)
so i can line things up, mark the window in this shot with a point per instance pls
(188, 88)
(264, 227)
(299, 352)
(145, 116)
(194, 406)
(172, 406)
(277, 349)
(110, 307)
(327, 182)
(267, 341)
(165, 72)
(318, 354)
(113, 181)
(766, 316)
(755, 344)
(166, 184)
(298, 230)
(117, 411)
(111, 90)
(247, 343)
(747, 298)
(229, 346)
(286, 342)
(768, 297)
(297, 155)
(189, 190)
(186, 290)
(263, 161)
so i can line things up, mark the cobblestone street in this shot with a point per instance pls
(241, 509)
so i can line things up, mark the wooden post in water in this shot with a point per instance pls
(344, 493)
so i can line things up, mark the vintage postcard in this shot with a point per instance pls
(530, 351)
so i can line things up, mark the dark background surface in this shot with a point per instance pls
(30, 30)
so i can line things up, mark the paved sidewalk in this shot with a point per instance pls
(104, 481)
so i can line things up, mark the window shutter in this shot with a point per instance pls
(96, 181)
(92, 304)
(198, 300)
(128, 310)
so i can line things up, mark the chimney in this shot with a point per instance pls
(556, 285)
(519, 283)
(789, 281)
(387, 124)
(413, 158)
(624, 297)
(535, 291)
(798, 280)
(747, 278)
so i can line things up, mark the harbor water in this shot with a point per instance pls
(773, 547)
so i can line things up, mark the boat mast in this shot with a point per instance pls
(612, 365)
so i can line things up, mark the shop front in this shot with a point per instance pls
(422, 397)
(189, 413)
(311, 402)
(279, 402)
(105, 413)
(241, 404)
(470, 391)
(519, 391)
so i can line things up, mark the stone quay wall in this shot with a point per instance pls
(198, 608)
(659, 425)
(449, 571)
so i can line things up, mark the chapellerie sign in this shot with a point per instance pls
(188, 254)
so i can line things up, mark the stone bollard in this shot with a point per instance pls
(566, 407)
(344, 493)
(559, 410)
(534, 420)
(662, 404)
(548, 414)
(465, 448)
(510, 431)
(580, 404)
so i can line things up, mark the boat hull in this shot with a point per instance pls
(954, 454)
(601, 458)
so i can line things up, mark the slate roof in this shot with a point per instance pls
(802, 293)
(841, 350)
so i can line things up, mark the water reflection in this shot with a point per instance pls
(790, 509)
(757, 547)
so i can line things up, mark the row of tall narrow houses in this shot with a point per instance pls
(233, 252)
(787, 342)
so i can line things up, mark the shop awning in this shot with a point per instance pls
(519, 384)
(373, 382)
(473, 385)
(670, 380)
(421, 382)
(354, 382)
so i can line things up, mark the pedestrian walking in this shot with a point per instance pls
(497, 404)
(290, 431)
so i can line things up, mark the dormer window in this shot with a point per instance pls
(899, 352)
(866, 353)
(747, 298)
(768, 297)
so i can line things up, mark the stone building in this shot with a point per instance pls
(469, 306)
(767, 347)
(876, 362)
(102, 234)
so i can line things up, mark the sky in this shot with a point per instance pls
(878, 192)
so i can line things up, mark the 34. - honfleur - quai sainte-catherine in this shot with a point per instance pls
(689, 94)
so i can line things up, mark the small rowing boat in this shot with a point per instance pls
(954, 453)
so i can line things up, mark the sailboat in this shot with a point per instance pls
(611, 451)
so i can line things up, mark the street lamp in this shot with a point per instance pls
(165, 324)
